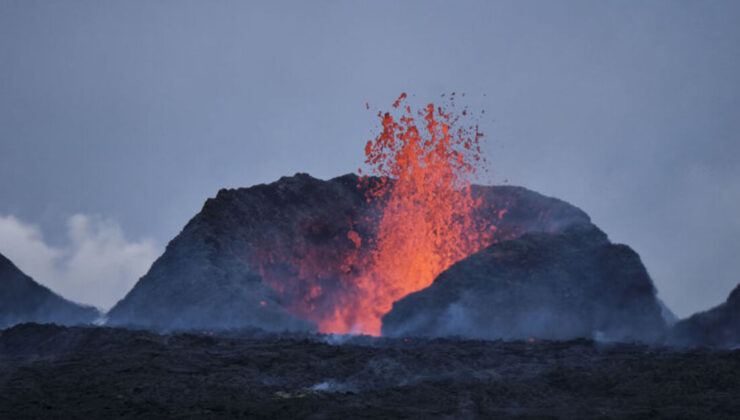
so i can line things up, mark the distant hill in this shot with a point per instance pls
(717, 327)
(24, 300)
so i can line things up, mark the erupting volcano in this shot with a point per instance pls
(411, 248)
(425, 220)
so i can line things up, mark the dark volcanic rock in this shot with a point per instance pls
(207, 277)
(562, 278)
(717, 327)
(24, 300)
(54, 372)
(573, 283)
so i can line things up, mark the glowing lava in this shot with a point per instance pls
(426, 223)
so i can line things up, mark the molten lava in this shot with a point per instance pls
(426, 222)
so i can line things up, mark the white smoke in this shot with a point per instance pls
(96, 266)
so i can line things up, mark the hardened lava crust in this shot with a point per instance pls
(48, 371)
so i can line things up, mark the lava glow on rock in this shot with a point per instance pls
(420, 164)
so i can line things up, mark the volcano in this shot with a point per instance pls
(273, 256)
(338, 256)
(24, 300)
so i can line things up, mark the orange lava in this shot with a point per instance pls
(426, 223)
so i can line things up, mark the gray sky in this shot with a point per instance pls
(118, 119)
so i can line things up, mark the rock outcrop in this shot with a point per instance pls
(24, 300)
(717, 327)
(562, 285)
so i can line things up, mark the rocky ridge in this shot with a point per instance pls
(24, 300)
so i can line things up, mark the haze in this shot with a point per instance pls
(118, 119)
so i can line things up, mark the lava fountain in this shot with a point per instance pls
(419, 180)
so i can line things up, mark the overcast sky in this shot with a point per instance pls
(118, 119)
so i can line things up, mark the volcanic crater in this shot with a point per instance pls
(275, 256)
(360, 254)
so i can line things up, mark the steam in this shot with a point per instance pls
(96, 266)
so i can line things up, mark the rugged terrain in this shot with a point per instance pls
(92, 372)
(562, 285)
(24, 300)
(212, 274)
(550, 274)
(717, 327)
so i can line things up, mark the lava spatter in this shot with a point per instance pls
(421, 164)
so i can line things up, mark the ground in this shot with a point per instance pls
(49, 371)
